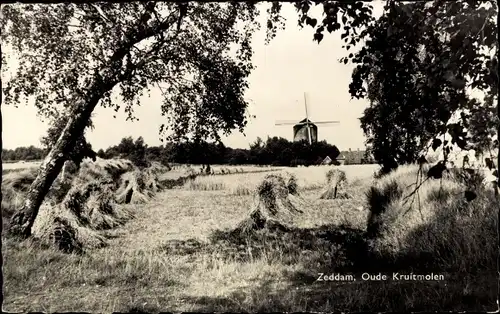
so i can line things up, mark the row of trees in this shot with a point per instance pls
(274, 151)
(23, 153)
(136, 151)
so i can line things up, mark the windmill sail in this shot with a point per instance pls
(325, 122)
(307, 121)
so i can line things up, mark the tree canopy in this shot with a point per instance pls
(193, 51)
(417, 65)
(433, 51)
(418, 68)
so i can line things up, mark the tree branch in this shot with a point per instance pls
(137, 34)
(101, 13)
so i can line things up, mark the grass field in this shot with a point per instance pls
(20, 165)
(176, 255)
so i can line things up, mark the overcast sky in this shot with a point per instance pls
(286, 68)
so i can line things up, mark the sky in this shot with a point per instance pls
(286, 68)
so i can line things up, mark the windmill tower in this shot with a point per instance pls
(305, 129)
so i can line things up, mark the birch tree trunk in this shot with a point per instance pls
(22, 221)
(497, 187)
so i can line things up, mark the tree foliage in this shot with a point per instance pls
(281, 152)
(274, 151)
(127, 48)
(417, 69)
(75, 56)
(23, 153)
(135, 151)
(416, 65)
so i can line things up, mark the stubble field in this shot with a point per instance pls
(175, 255)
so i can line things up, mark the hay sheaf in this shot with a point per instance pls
(152, 178)
(291, 183)
(133, 188)
(19, 180)
(274, 206)
(56, 226)
(394, 201)
(15, 185)
(138, 187)
(336, 181)
(74, 224)
(109, 169)
(74, 220)
(95, 205)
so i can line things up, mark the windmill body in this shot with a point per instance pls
(301, 132)
(306, 129)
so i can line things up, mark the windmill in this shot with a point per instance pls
(305, 129)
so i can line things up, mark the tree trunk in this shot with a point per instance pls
(497, 185)
(22, 221)
(498, 124)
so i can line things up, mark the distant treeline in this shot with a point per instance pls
(274, 151)
(24, 153)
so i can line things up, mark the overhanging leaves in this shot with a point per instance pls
(134, 47)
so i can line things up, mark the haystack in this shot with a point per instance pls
(57, 226)
(73, 215)
(15, 185)
(73, 224)
(19, 180)
(152, 177)
(90, 205)
(291, 183)
(68, 171)
(293, 190)
(336, 185)
(110, 170)
(94, 204)
(273, 206)
(133, 188)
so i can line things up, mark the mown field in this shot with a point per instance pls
(176, 251)
(20, 165)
